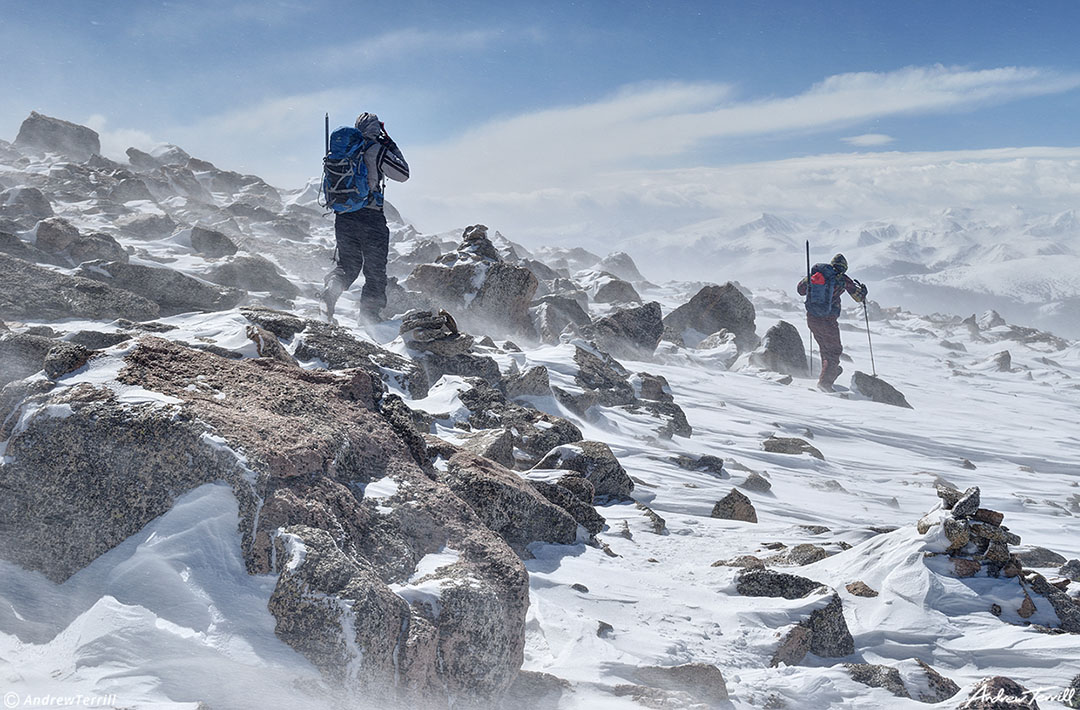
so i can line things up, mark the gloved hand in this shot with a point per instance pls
(386, 140)
(860, 295)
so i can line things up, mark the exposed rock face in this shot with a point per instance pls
(735, 506)
(51, 134)
(781, 351)
(938, 688)
(173, 291)
(30, 291)
(878, 390)
(999, 693)
(533, 382)
(212, 243)
(23, 354)
(861, 589)
(714, 308)
(489, 295)
(631, 333)
(594, 461)
(830, 637)
(251, 273)
(399, 591)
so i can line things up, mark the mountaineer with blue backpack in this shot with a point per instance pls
(823, 288)
(358, 159)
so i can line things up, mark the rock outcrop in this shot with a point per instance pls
(45, 133)
(388, 582)
(488, 295)
(714, 308)
(781, 351)
(631, 333)
(878, 390)
(28, 291)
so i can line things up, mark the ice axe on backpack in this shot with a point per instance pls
(810, 364)
(866, 316)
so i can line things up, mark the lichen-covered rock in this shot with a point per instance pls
(860, 589)
(1067, 610)
(357, 593)
(936, 688)
(878, 390)
(805, 554)
(337, 349)
(56, 136)
(566, 495)
(536, 691)
(533, 382)
(793, 648)
(595, 461)
(967, 504)
(756, 482)
(173, 291)
(268, 345)
(829, 634)
(507, 504)
(770, 583)
(22, 355)
(55, 235)
(714, 308)
(28, 291)
(735, 506)
(283, 325)
(877, 676)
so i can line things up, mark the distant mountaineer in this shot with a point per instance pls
(357, 161)
(827, 283)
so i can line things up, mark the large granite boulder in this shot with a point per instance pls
(781, 351)
(386, 581)
(212, 243)
(507, 504)
(487, 294)
(24, 206)
(28, 291)
(630, 333)
(878, 390)
(173, 291)
(53, 135)
(336, 348)
(553, 315)
(594, 461)
(251, 272)
(714, 308)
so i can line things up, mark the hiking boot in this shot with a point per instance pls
(329, 297)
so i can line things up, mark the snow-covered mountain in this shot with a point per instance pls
(210, 498)
(1023, 265)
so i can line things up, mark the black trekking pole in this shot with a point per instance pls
(866, 316)
(810, 366)
(327, 133)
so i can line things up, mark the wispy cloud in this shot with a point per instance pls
(869, 140)
(583, 152)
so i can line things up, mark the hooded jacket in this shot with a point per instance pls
(383, 161)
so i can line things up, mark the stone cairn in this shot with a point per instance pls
(435, 333)
(979, 543)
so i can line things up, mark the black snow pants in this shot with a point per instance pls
(363, 242)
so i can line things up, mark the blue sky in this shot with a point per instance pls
(513, 109)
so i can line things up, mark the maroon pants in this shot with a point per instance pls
(827, 334)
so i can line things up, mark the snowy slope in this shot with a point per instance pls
(170, 617)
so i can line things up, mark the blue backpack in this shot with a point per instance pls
(819, 291)
(345, 175)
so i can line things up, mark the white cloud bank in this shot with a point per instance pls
(629, 159)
